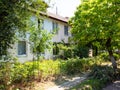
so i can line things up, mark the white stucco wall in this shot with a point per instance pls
(47, 25)
(57, 37)
(22, 58)
(60, 36)
(28, 56)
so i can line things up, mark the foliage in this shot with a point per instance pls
(67, 50)
(27, 71)
(105, 56)
(71, 51)
(44, 70)
(93, 24)
(13, 20)
(98, 78)
(76, 65)
(39, 38)
(50, 68)
(23, 72)
(81, 51)
(103, 73)
(55, 49)
(13, 16)
(5, 74)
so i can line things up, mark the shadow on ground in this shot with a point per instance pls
(114, 86)
(69, 82)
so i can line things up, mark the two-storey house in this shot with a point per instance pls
(22, 50)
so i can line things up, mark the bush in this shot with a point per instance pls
(81, 51)
(76, 65)
(41, 70)
(49, 68)
(105, 56)
(44, 70)
(103, 73)
(98, 78)
(22, 72)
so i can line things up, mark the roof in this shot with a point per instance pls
(56, 17)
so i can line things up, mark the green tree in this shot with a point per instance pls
(97, 22)
(40, 39)
(13, 16)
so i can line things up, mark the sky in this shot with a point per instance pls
(64, 8)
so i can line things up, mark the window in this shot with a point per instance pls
(21, 48)
(55, 27)
(66, 30)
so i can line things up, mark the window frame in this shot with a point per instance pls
(66, 28)
(55, 27)
(24, 54)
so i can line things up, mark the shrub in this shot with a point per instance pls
(104, 56)
(45, 69)
(76, 65)
(81, 51)
(20, 72)
(49, 68)
(98, 78)
(73, 66)
(104, 73)
(38, 69)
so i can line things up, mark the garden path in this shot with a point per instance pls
(69, 84)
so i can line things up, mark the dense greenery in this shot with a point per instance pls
(80, 65)
(105, 56)
(99, 77)
(40, 40)
(97, 22)
(42, 70)
(13, 16)
(65, 51)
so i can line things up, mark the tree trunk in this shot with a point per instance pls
(96, 51)
(114, 64)
(108, 46)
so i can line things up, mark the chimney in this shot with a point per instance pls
(67, 17)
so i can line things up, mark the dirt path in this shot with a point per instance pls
(113, 86)
(63, 83)
(69, 84)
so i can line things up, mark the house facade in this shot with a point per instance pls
(22, 49)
